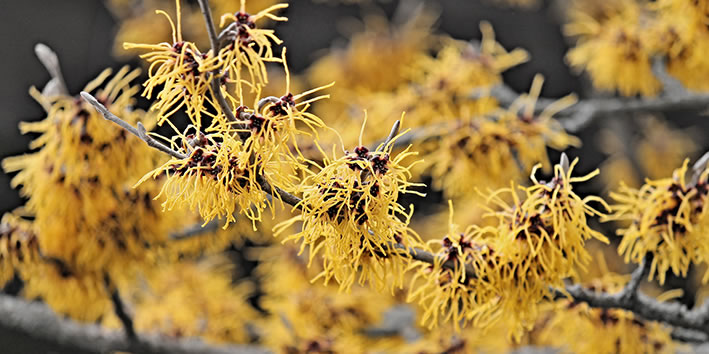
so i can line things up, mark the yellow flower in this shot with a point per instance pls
(683, 37)
(537, 243)
(249, 48)
(195, 299)
(303, 317)
(377, 59)
(666, 218)
(615, 49)
(449, 294)
(217, 176)
(460, 67)
(275, 124)
(83, 295)
(79, 182)
(351, 216)
(177, 68)
(506, 142)
(18, 246)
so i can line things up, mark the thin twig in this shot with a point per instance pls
(688, 336)
(211, 32)
(698, 168)
(575, 117)
(428, 257)
(119, 308)
(217, 92)
(195, 230)
(394, 132)
(283, 195)
(140, 132)
(581, 114)
(216, 78)
(630, 292)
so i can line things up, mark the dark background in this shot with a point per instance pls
(81, 32)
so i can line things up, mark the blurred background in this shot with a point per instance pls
(82, 33)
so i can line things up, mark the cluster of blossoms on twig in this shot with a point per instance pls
(507, 269)
(666, 218)
(618, 40)
(351, 215)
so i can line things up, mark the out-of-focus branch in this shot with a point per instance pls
(688, 335)
(195, 230)
(140, 132)
(48, 58)
(119, 308)
(585, 111)
(216, 80)
(38, 321)
(579, 115)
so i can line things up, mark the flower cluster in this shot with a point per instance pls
(249, 48)
(191, 299)
(185, 72)
(319, 318)
(214, 179)
(18, 246)
(505, 270)
(352, 218)
(84, 209)
(507, 142)
(92, 227)
(667, 219)
(617, 42)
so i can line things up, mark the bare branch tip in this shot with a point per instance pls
(142, 131)
(88, 98)
(564, 162)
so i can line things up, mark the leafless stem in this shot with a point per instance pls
(195, 230)
(578, 116)
(427, 257)
(584, 112)
(119, 308)
(688, 335)
(216, 75)
(49, 59)
(211, 32)
(140, 132)
(699, 167)
(217, 92)
(283, 195)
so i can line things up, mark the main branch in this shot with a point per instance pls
(40, 322)
(631, 299)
